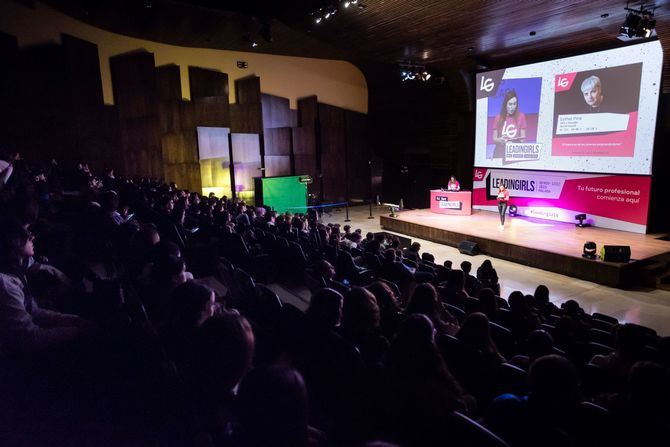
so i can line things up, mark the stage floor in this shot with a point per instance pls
(553, 246)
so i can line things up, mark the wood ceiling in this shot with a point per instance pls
(445, 34)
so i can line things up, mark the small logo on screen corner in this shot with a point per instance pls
(479, 174)
(486, 84)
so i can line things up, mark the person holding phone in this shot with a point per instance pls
(503, 200)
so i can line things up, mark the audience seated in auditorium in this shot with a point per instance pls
(488, 276)
(382, 362)
(426, 301)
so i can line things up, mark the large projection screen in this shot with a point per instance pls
(590, 113)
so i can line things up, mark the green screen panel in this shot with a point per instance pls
(285, 194)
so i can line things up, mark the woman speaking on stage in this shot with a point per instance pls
(503, 200)
(509, 124)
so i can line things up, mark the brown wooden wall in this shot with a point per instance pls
(53, 107)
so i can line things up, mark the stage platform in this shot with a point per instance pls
(552, 246)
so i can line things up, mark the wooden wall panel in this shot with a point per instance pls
(306, 164)
(248, 90)
(278, 141)
(82, 66)
(277, 112)
(136, 96)
(212, 111)
(205, 83)
(9, 53)
(333, 153)
(246, 118)
(246, 161)
(277, 165)
(358, 155)
(168, 78)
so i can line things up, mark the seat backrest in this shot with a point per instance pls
(603, 317)
(468, 432)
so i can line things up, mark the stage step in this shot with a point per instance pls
(652, 272)
(663, 282)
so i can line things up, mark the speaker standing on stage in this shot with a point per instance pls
(453, 184)
(503, 199)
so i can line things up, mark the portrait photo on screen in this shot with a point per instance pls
(595, 112)
(512, 116)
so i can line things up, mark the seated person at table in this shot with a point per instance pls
(453, 184)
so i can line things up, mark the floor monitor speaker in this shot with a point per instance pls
(616, 253)
(468, 248)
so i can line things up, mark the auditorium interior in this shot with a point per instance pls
(374, 223)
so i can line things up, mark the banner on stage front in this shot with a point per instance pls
(611, 201)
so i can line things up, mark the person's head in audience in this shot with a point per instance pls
(386, 298)
(165, 248)
(448, 264)
(369, 236)
(539, 343)
(488, 302)
(109, 201)
(390, 255)
(648, 393)
(426, 301)
(456, 281)
(541, 295)
(571, 308)
(475, 331)
(16, 246)
(360, 312)
(148, 236)
(191, 304)
(466, 266)
(415, 247)
(169, 272)
(223, 353)
(355, 238)
(517, 303)
(325, 308)
(486, 265)
(273, 408)
(165, 205)
(413, 353)
(326, 270)
(629, 340)
(373, 246)
(554, 387)
(427, 257)
(347, 230)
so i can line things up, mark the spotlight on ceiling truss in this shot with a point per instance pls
(414, 72)
(328, 9)
(639, 23)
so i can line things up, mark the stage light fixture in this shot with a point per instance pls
(346, 4)
(318, 20)
(589, 251)
(414, 72)
(639, 23)
(512, 210)
(581, 218)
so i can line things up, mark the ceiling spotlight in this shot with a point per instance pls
(248, 39)
(347, 3)
(639, 23)
(318, 20)
(327, 15)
